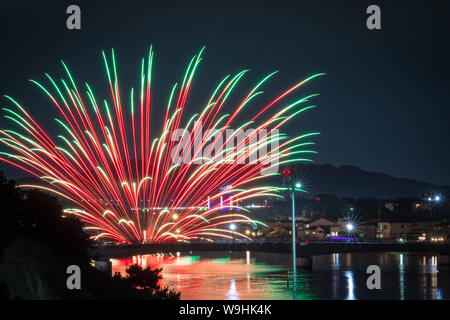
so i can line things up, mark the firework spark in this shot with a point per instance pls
(122, 180)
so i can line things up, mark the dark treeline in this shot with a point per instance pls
(37, 243)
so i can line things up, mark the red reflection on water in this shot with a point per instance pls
(205, 278)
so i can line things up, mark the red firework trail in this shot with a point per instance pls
(128, 186)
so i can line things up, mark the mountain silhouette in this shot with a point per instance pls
(344, 181)
(353, 182)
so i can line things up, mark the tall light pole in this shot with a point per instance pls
(294, 252)
(292, 186)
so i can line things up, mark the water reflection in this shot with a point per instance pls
(432, 265)
(252, 275)
(232, 294)
(350, 285)
(401, 271)
(432, 269)
(335, 275)
(335, 260)
(335, 285)
(348, 259)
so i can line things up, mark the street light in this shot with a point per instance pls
(232, 228)
(436, 198)
(294, 254)
(349, 227)
(292, 186)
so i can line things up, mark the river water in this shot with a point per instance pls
(259, 276)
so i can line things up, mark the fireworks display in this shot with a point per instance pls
(123, 181)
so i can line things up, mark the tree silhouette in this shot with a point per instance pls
(10, 205)
(144, 278)
(33, 216)
(147, 280)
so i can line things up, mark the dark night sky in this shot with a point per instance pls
(384, 102)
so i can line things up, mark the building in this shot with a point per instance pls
(367, 231)
(403, 229)
(278, 229)
(318, 229)
(337, 230)
(321, 222)
(362, 231)
(314, 233)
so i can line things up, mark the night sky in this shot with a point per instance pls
(383, 105)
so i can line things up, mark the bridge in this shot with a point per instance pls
(303, 249)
